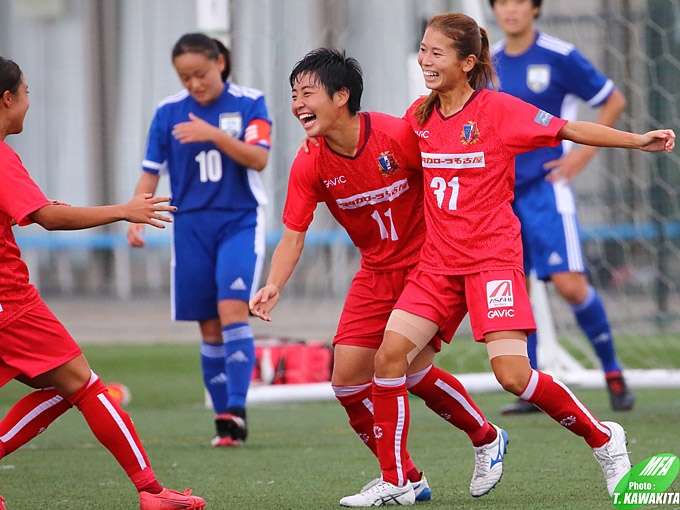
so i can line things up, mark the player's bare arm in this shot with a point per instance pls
(142, 208)
(575, 161)
(589, 133)
(284, 260)
(198, 130)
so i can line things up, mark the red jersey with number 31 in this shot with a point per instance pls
(469, 175)
(376, 195)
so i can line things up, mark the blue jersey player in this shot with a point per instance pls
(213, 140)
(551, 74)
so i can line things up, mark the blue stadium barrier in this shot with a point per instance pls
(111, 240)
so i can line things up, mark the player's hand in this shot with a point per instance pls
(145, 208)
(194, 130)
(659, 140)
(567, 167)
(135, 235)
(304, 144)
(264, 301)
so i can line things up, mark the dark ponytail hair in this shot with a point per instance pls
(197, 42)
(10, 76)
(467, 38)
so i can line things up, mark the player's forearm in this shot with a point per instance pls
(58, 217)
(589, 133)
(147, 183)
(248, 155)
(285, 258)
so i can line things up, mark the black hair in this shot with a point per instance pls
(197, 42)
(537, 3)
(334, 71)
(10, 76)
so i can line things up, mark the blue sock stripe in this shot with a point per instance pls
(236, 331)
(212, 350)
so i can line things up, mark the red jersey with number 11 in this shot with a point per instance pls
(469, 175)
(376, 195)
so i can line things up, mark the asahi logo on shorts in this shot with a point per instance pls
(499, 293)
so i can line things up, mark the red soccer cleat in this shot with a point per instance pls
(170, 500)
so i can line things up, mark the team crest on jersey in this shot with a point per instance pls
(388, 163)
(232, 124)
(538, 77)
(470, 133)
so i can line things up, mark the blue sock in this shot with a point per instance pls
(239, 353)
(592, 318)
(532, 340)
(214, 376)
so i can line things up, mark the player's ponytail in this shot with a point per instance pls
(224, 51)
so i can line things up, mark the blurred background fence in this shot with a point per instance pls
(97, 69)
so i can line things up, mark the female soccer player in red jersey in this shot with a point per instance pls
(471, 261)
(35, 348)
(367, 170)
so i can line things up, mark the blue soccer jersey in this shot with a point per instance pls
(552, 75)
(201, 176)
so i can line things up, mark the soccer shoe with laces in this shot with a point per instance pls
(489, 464)
(382, 494)
(613, 456)
(170, 500)
(420, 488)
(232, 430)
(620, 396)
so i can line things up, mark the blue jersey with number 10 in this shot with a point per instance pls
(552, 75)
(201, 176)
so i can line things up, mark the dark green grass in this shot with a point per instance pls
(305, 456)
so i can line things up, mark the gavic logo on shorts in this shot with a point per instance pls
(499, 293)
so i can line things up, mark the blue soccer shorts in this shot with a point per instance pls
(217, 255)
(550, 230)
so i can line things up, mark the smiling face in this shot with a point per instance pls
(442, 68)
(312, 105)
(515, 17)
(200, 75)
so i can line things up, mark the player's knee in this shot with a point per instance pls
(390, 363)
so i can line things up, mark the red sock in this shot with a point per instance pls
(359, 409)
(114, 429)
(29, 417)
(447, 397)
(392, 418)
(558, 402)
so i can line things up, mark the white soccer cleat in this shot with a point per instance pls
(420, 488)
(380, 493)
(489, 464)
(613, 456)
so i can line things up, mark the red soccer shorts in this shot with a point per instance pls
(369, 303)
(34, 343)
(496, 301)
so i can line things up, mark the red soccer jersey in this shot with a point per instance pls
(469, 175)
(376, 195)
(19, 197)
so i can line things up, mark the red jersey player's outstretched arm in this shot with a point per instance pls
(589, 133)
(284, 260)
(141, 209)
